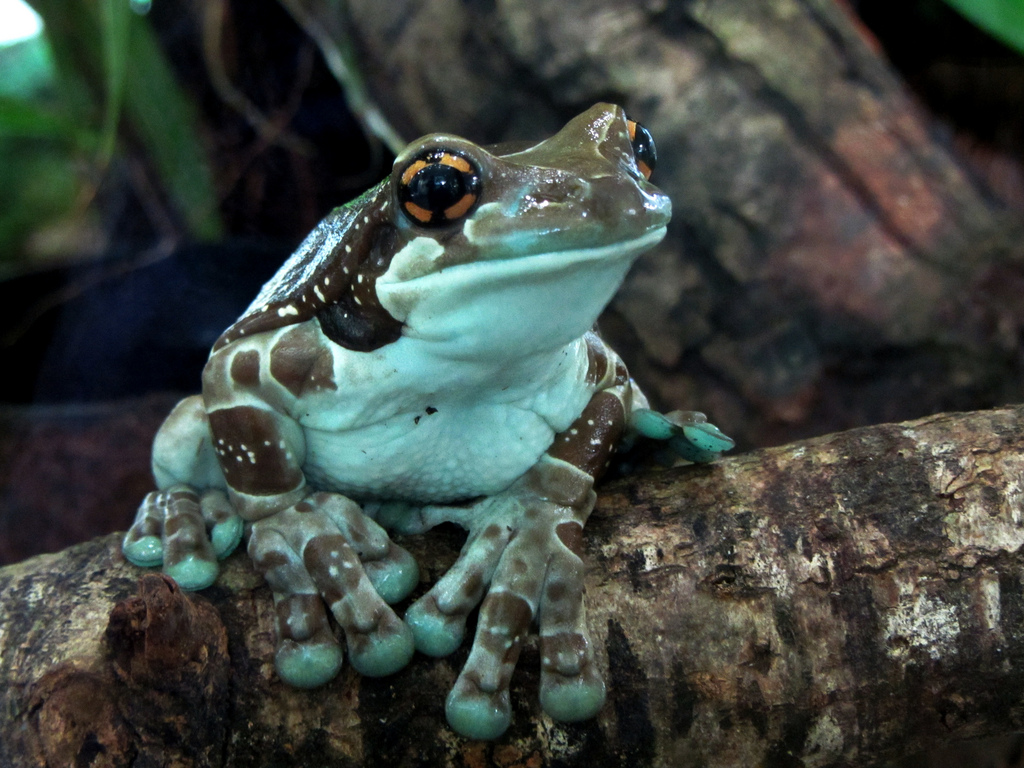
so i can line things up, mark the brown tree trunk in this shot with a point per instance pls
(832, 602)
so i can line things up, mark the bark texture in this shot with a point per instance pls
(830, 262)
(834, 602)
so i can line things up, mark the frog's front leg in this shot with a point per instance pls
(243, 462)
(324, 549)
(180, 527)
(310, 546)
(526, 544)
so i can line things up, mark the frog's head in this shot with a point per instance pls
(515, 251)
(480, 252)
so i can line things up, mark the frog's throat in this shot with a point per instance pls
(544, 298)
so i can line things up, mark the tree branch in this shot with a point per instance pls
(832, 602)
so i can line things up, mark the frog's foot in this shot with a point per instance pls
(185, 532)
(524, 552)
(325, 547)
(688, 433)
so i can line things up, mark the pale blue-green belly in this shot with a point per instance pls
(443, 456)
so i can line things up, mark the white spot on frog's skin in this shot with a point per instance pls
(319, 293)
(327, 280)
(920, 621)
(288, 310)
(366, 219)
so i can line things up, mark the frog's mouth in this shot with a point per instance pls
(548, 298)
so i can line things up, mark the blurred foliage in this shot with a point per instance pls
(94, 91)
(1003, 19)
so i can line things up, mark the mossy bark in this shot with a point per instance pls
(832, 602)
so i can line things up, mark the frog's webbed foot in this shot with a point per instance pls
(324, 549)
(185, 532)
(688, 433)
(524, 551)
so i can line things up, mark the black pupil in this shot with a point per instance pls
(437, 187)
(643, 147)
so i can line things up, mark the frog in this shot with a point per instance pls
(428, 355)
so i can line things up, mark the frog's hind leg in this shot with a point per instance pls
(182, 528)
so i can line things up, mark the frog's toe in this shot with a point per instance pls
(192, 572)
(309, 664)
(384, 651)
(571, 699)
(689, 434)
(394, 576)
(478, 714)
(308, 653)
(144, 551)
(438, 619)
(170, 529)
(571, 687)
(651, 424)
(225, 536)
(435, 633)
(379, 643)
(225, 526)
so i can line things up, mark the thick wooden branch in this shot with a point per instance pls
(831, 602)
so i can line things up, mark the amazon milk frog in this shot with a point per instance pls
(428, 355)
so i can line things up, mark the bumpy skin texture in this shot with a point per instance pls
(427, 356)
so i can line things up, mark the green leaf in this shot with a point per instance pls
(1003, 19)
(25, 119)
(112, 74)
(163, 118)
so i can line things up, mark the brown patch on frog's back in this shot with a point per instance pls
(355, 318)
(590, 440)
(321, 270)
(300, 363)
(245, 368)
(253, 456)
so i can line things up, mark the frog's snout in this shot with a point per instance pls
(658, 206)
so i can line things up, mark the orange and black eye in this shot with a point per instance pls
(438, 187)
(643, 147)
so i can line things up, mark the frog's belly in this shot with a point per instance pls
(429, 457)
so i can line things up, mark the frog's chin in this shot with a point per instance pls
(511, 307)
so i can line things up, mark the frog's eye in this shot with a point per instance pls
(643, 147)
(438, 187)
